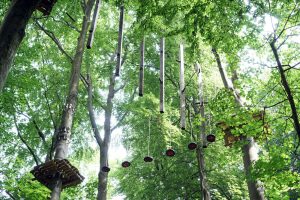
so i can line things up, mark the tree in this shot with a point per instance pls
(12, 32)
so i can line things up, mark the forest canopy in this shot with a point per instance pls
(153, 99)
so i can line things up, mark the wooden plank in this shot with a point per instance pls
(93, 25)
(120, 41)
(182, 88)
(141, 80)
(162, 76)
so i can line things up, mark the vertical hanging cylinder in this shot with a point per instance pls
(120, 40)
(182, 88)
(141, 80)
(162, 76)
(201, 102)
(94, 24)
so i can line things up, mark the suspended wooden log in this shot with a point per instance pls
(201, 101)
(120, 40)
(141, 81)
(93, 25)
(162, 76)
(182, 88)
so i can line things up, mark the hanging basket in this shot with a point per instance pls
(126, 164)
(148, 159)
(105, 169)
(170, 153)
(192, 146)
(211, 138)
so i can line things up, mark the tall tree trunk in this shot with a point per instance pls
(12, 32)
(256, 192)
(102, 177)
(287, 89)
(200, 153)
(64, 132)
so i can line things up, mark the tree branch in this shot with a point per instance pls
(36, 159)
(92, 114)
(54, 39)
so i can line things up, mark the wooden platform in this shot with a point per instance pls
(229, 138)
(47, 173)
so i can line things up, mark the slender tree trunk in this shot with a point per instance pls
(250, 152)
(287, 89)
(102, 177)
(200, 153)
(64, 132)
(12, 32)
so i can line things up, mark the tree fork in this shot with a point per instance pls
(287, 89)
(64, 132)
(12, 32)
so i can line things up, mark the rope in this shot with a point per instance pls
(149, 125)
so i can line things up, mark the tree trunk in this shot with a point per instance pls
(102, 177)
(287, 90)
(249, 150)
(64, 132)
(200, 154)
(12, 32)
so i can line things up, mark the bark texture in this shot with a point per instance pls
(12, 32)
(250, 152)
(64, 132)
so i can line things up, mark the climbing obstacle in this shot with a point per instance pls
(48, 173)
